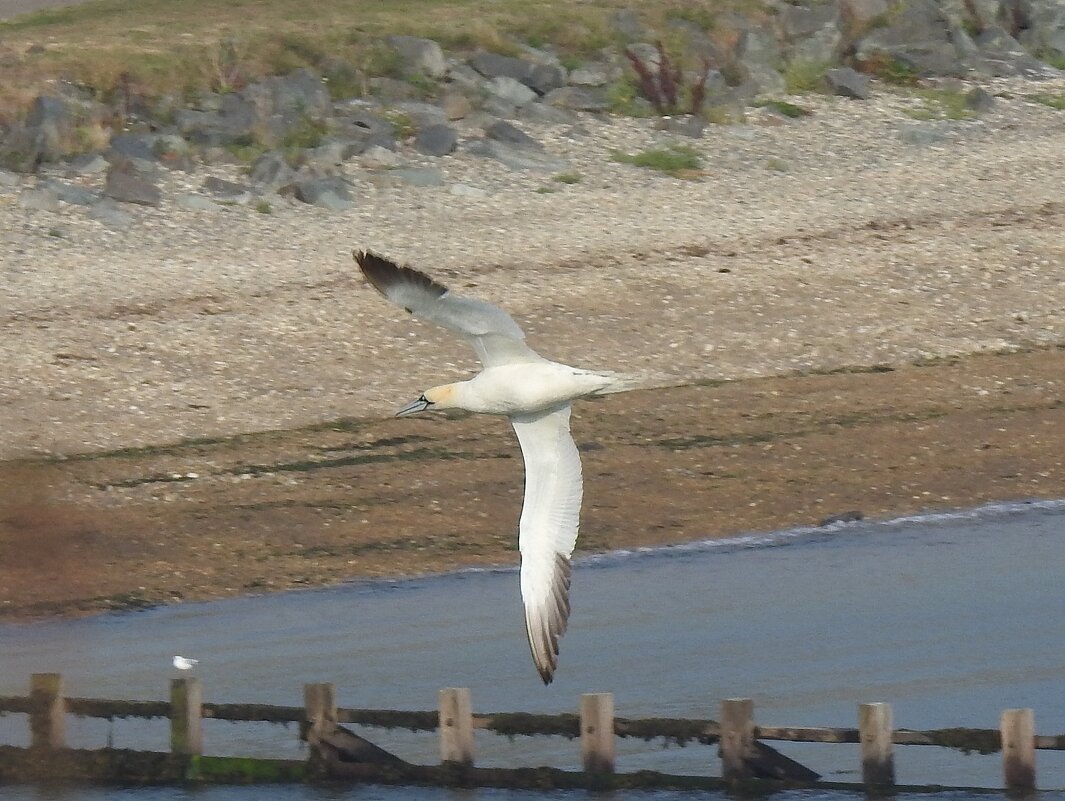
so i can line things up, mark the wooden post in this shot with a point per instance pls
(597, 732)
(320, 710)
(186, 715)
(874, 732)
(737, 737)
(456, 726)
(1018, 749)
(48, 718)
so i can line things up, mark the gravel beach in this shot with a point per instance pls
(861, 236)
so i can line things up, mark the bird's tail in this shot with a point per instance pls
(627, 382)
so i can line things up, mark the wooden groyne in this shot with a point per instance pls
(746, 761)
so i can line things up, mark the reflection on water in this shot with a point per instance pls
(949, 620)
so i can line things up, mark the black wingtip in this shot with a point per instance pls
(383, 274)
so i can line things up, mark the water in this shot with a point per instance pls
(950, 619)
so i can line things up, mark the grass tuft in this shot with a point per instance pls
(680, 161)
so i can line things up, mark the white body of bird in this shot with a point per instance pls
(535, 394)
(184, 663)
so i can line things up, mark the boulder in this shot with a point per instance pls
(228, 191)
(111, 215)
(40, 199)
(419, 56)
(331, 193)
(592, 73)
(87, 164)
(271, 170)
(132, 145)
(436, 140)
(846, 82)
(517, 157)
(73, 194)
(422, 114)
(511, 91)
(417, 176)
(502, 131)
(127, 183)
(578, 98)
(543, 114)
(917, 34)
(541, 78)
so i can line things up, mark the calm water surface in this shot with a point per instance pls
(950, 619)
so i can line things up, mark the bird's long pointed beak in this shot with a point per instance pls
(414, 407)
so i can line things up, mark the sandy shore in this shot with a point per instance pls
(825, 246)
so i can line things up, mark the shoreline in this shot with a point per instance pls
(321, 506)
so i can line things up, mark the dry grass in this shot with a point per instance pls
(165, 47)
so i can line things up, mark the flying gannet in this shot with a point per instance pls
(535, 394)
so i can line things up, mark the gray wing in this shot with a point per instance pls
(550, 515)
(494, 335)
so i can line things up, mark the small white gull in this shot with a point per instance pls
(184, 663)
(535, 394)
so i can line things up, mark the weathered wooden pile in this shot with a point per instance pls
(338, 753)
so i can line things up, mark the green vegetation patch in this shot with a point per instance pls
(784, 108)
(680, 161)
(941, 104)
(1056, 102)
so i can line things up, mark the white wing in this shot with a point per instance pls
(495, 336)
(550, 515)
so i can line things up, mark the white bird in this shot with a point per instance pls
(184, 663)
(535, 394)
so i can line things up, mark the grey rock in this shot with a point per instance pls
(493, 65)
(455, 105)
(331, 193)
(543, 114)
(418, 176)
(329, 155)
(271, 170)
(592, 73)
(39, 200)
(1004, 55)
(110, 215)
(760, 56)
(503, 131)
(132, 145)
(578, 98)
(684, 125)
(516, 157)
(125, 183)
(802, 21)
(420, 56)
(979, 100)
(193, 202)
(228, 191)
(73, 194)
(378, 157)
(545, 77)
(465, 78)
(9, 179)
(392, 90)
(846, 82)
(511, 91)
(862, 13)
(821, 47)
(918, 35)
(920, 135)
(169, 147)
(436, 140)
(498, 107)
(465, 190)
(1044, 33)
(50, 127)
(422, 114)
(87, 164)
